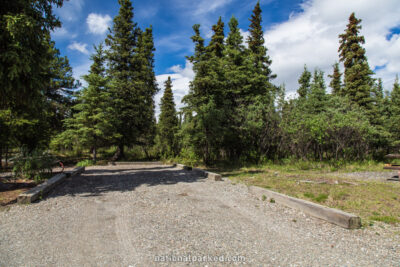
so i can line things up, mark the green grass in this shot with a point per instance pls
(371, 200)
(385, 219)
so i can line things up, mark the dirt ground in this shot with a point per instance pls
(11, 188)
(161, 215)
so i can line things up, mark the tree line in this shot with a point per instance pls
(233, 110)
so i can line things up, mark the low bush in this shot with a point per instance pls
(36, 165)
(85, 163)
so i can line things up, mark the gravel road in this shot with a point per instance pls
(147, 215)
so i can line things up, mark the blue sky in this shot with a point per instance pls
(172, 23)
(297, 32)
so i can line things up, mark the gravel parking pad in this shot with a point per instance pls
(152, 215)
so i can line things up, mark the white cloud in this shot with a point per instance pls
(181, 78)
(208, 6)
(79, 47)
(70, 10)
(81, 70)
(97, 23)
(311, 37)
(60, 33)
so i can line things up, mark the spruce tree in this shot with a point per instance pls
(395, 111)
(91, 125)
(256, 45)
(148, 87)
(236, 70)
(395, 95)
(60, 89)
(216, 45)
(336, 80)
(317, 96)
(357, 74)
(168, 123)
(205, 101)
(25, 63)
(25, 28)
(305, 83)
(129, 57)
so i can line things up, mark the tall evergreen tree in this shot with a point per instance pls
(395, 111)
(130, 57)
(336, 80)
(168, 123)
(60, 89)
(32, 72)
(25, 28)
(205, 101)
(256, 45)
(305, 83)
(216, 45)
(357, 74)
(317, 97)
(148, 87)
(91, 125)
(395, 95)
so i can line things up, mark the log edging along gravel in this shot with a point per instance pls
(120, 163)
(207, 174)
(334, 216)
(44, 188)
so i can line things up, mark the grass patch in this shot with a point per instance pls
(385, 219)
(321, 198)
(372, 200)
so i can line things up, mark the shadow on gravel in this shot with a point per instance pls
(97, 182)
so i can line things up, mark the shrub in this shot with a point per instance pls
(36, 165)
(85, 163)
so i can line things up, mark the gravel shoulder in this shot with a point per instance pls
(382, 176)
(133, 215)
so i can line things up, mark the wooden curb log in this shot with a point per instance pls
(119, 163)
(335, 216)
(210, 175)
(44, 188)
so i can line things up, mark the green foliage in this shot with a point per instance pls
(91, 125)
(168, 123)
(394, 112)
(230, 102)
(339, 130)
(36, 83)
(36, 165)
(24, 53)
(357, 74)
(336, 82)
(305, 83)
(85, 163)
(133, 84)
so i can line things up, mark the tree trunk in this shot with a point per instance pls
(6, 156)
(146, 152)
(94, 154)
(1, 158)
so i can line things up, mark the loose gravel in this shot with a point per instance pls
(147, 215)
(372, 176)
